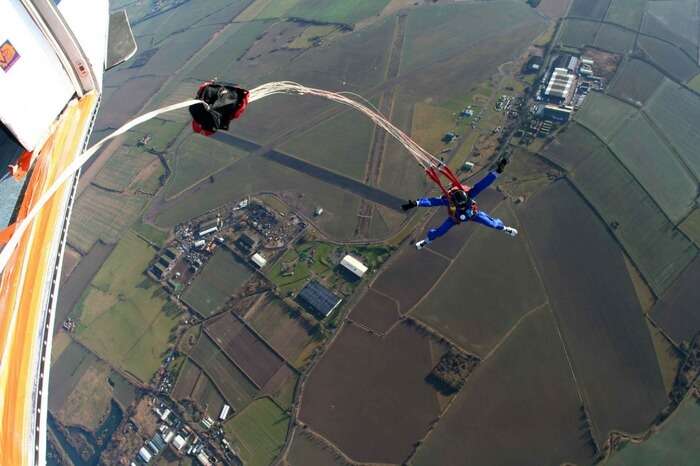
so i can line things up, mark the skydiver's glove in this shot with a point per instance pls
(501, 165)
(409, 205)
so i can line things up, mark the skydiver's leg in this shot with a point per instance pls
(435, 233)
(484, 183)
(495, 223)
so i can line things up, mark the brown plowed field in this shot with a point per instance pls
(677, 310)
(368, 394)
(490, 285)
(519, 408)
(598, 312)
(251, 354)
(375, 311)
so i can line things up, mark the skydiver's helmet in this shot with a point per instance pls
(226, 102)
(460, 199)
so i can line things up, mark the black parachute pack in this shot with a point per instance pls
(225, 102)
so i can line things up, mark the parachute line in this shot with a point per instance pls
(423, 157)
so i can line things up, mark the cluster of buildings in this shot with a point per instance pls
(565, 87)
(173, 433)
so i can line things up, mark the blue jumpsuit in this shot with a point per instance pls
(480, 217)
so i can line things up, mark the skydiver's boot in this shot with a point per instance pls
(422, 243)
(510, 231)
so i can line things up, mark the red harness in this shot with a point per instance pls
(444, 170)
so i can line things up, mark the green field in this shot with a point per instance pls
(162, 133)
(670, 58)
(577, 34)
(340, 144)
(674, 444)
(676, 111)
(615, 39)
(307, 451)
(122, 167)
(259, 432)
(604, 115)
(635, 82)
(656, 167)
(626, 12)
(197, 158)
(149, 233)
(123, 316)
(573, 144)
(336, 12)
(655, 246)
(220, 278)
(102, 215)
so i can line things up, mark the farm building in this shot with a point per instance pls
(320, 299)
(258, 260)
(558, 114)
(561, 86)
(145, 455)
(208, 231)
(203, 458)
(224, 412)
(354, 266)
(179, 442)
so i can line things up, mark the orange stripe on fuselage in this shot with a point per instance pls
(22, 286)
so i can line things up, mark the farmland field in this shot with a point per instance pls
(691, 226)
(436, 34)
(206, 395)
(604, 115)
(578, 33)
(589, 8)
(123, 316)
(186, 380)
(244, 348)
(410, 276)
(197, 158)
(376, 311)
(675, 443)
(255, 174)
(676, 22)
(88, 404)
(670, 58)
(259, 432)
(220, 278)
(626, 12)
(676, 111)
(340, 143)
(655, 246)
(572, 146)
(66, 372)
(122, 167)
(234, 385)
(656, 167)
(306, 451)
(351, 396)
(600, 318)
(467, 304)
(102, 215)
(522, 422)
(614, 39)
(289, 336)
(636, 82)
(676, 311)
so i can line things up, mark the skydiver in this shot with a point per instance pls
(462, 208)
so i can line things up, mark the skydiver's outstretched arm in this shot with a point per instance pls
(486, 181)
(425, 202)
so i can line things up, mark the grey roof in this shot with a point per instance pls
(319, 298)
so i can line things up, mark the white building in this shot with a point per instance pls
(208, 231)
(145, 455)
(199, 243)
(164, 415)
(179, 442)
(354, 265)
(259, 260)
(203, 458)
(224, 412)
